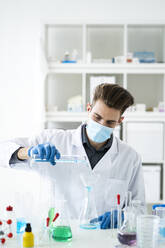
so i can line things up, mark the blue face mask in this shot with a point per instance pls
(97, 132)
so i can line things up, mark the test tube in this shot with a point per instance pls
(112, 227)
(118, 212)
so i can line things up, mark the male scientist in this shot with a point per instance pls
(117, 164)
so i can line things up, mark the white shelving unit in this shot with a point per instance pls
(105, 41)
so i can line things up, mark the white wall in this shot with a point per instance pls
(20, 25)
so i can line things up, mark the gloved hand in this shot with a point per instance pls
(105, 220)
(47, 151)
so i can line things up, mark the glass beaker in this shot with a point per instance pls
(60, 228)
(88, 216)
(147, 231)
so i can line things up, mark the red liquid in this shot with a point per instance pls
(127, 238)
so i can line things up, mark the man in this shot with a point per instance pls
(116, 165)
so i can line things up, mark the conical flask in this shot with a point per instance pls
(60, 229)
(88, 215)
(127, 233)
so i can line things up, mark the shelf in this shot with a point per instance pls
(155, 68)
(64, 116)
(145, 116)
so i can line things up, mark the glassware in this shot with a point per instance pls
(155, 206)
(88, 216)
(64, 159)
(127, 232)
(160, 211)
(147, 231)
(45, 235)
(60, 227)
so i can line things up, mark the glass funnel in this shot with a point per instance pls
(88, 215)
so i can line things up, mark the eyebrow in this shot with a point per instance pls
(113, 121)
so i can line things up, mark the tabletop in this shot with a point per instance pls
(97, 238)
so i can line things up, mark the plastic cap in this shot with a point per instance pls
(118, 199)
(28, 228)
(9, 208)
(158, 205)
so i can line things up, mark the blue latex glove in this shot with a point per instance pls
(105, 220)
(44, 151)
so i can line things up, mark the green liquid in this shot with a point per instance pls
(62, 233)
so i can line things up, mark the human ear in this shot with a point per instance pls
(89, 107)
(120, 120)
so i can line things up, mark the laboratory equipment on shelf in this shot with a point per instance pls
(147, 231)
(60, 227)
(88, 215)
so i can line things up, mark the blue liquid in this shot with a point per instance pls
(21, 224)
(162, 231)
(90, 226)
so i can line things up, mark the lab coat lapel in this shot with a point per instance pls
(105, 163)
(77, 146)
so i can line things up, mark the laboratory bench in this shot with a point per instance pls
(84, 238)
(81, 239)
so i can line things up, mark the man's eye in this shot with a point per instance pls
(97, 118)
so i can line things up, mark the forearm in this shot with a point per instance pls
(22, 153)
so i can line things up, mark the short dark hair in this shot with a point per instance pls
(113, 96)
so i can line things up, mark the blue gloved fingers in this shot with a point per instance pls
(41, 151)
(97, 219)
(29, 151)
(33, 151)
(47, 151)
(105, 221)
(52, 155)
(100, 218)
(58, 155)
(94, 220)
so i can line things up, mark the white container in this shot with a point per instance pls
(140, 107)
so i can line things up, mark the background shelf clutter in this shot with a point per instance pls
(80, 56)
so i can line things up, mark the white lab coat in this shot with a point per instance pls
(119, 170)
